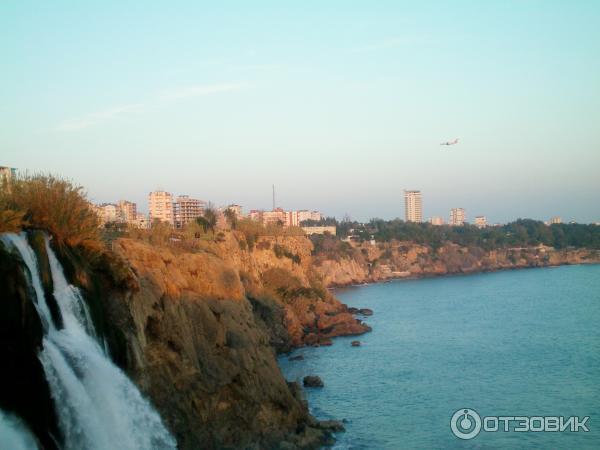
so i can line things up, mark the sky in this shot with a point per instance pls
(341, 104)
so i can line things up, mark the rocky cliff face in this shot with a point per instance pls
(196, 329)
(199, 331)
(386, 261)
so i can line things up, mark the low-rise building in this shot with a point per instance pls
(141, 221)
(278, 215)
(436, 220)
(480, 221)
(7, 174)
(320, 230)
(237, 210)
(108, 213)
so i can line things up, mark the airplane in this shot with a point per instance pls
(455, 141)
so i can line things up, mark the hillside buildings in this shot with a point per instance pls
(107, 213)
(7, 174)
(436, 220)
(127, 211)
(320, 230)
(413, 208)
(160, 207)
(555, 220)
(186, 210)
(177, 212)
(304, 215)
(237, 210)
(480, 221)
(457, 216)
(285, 218)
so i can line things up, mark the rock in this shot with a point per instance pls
(365, 311)
(311, 339)
(334, 426)
(296, 358)
(312, 381)
(353, 310)
(355, 344)
(326, 342)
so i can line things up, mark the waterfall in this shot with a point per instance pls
(14, 435)
(98, 407)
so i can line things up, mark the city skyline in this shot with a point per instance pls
(341, 106)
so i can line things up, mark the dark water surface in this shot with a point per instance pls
(513, 343)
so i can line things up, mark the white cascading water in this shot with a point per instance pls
(98, 407)
(14, 435)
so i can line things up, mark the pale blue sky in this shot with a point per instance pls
(341, 104)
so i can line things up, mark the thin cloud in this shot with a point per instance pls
(393, 42)
(92, 119)
(194, 91)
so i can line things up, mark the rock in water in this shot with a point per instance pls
(296, 358)
(366, 311)
(355, 344)
(312, 381)
(334, 426)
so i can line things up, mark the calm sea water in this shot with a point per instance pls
(509, 343)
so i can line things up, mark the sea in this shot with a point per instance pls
(493, 360)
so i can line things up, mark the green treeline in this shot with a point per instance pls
(520, 233)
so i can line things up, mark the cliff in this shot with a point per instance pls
(196, 328)
(366, 263)
(198, 333)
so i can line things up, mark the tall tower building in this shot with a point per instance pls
(413, 207)
(160, 206)
(457, 216)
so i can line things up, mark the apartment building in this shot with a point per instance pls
(480, 221)
(457, 216)
(413, 206)
(160, 207)
(186, 210)
(127, 211)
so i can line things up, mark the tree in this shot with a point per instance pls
(210, 215)
(231, 218)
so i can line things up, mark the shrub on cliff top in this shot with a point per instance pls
(52, 204)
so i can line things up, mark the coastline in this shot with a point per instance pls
(412, 277)
(414, 261)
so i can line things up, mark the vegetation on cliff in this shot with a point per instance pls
(49, 203)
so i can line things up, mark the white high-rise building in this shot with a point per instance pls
(413, 207)
(457, 216)
(160, 205)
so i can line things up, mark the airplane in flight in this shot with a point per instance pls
(455, 141)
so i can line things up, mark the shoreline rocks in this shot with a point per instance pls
(313, 381)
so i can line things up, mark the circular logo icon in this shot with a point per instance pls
(465, 423)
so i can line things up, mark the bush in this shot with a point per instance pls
(52, 204)
(11, 221)
(251, 230)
